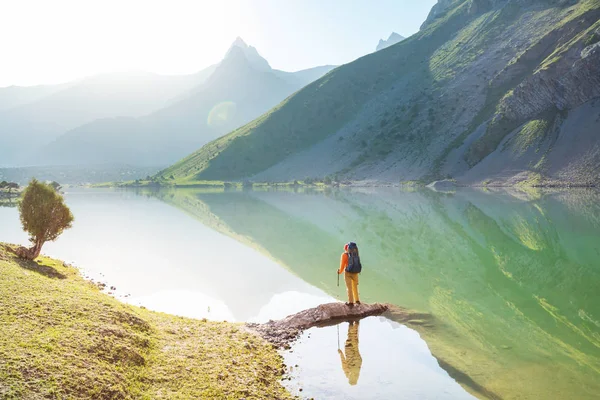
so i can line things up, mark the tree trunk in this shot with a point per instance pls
(29, 253)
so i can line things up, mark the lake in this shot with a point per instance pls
(510, 279)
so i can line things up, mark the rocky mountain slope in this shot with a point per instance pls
(242, 87)
(489, 91)
(393, 39)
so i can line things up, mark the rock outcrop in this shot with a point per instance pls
(438, 10)
(392, 40)
(565, 84)
(565, 77)
(281, 333)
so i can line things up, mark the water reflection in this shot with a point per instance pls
(9, 202)
(167, 261)
(391, 362)
(351, 361)
(511, 279)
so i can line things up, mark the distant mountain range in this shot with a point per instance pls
(140, 118)
(491, 92)
(393, 39)
(14, 96)
(53, 110)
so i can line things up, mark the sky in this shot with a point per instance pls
(56, 41)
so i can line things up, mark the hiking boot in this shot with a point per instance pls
(350, 304)
(357, 302)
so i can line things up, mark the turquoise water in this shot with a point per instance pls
(510, 279)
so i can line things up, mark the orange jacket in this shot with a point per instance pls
(343, 263)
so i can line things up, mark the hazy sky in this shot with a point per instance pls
(50, 41)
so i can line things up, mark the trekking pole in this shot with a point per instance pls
(338, 276)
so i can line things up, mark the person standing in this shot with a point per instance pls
(350, 265)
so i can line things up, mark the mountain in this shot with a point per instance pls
(488, 92)
(393, 39)
(14, 96)
(250, 54)
(304, 77)
(77, 174)
(242, 87)
(56, 109)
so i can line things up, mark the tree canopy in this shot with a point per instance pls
(44, 216)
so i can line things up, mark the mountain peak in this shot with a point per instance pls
(393, 39)
(239, 42)
(255, 60)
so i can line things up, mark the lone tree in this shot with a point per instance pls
(11, 186)
(55, 185)
(44, 216)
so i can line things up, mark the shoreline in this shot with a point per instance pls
(347, 184)
(64, 337)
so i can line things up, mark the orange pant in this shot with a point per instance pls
(351, 286)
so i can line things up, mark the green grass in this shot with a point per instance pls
(470, 43)
(60, 337)
(534, 179)
(589, 9)
(593, 39)
(529, 134)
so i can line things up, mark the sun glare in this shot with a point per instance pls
(69, 38)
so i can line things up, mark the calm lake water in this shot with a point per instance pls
(511, 280)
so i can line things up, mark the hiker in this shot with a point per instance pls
(351, 267)
(352, 361)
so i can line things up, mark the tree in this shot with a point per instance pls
(3, 184)
(44, 217)
(11, 185)
(56, 186)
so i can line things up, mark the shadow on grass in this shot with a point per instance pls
(41, 269)
(34, 266)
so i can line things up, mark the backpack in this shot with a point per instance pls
(354, 265)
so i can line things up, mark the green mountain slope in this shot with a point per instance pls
(487, 90)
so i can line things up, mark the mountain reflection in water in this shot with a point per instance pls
(511, 279)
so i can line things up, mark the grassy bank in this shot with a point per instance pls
(60, 337)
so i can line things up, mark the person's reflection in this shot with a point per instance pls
(352, 361)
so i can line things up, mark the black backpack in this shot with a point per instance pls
(354, 265)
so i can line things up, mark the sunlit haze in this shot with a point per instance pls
(61, 40)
